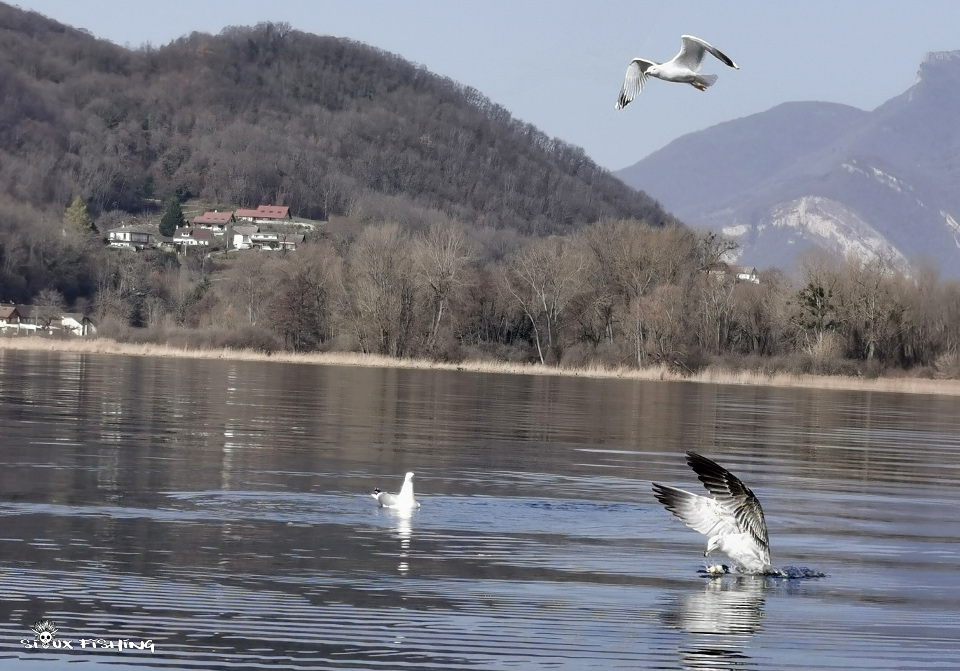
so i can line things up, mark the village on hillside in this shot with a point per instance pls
(214, 230)
(223, 230)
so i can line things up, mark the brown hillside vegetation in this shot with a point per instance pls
(271, 115)
(260, 115)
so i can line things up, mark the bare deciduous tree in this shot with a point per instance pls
(49, 306)
(302, 307)
(379, 290)
(871, 307)
(249, 284)
(543, 277)
(441, 255)
(630, 259)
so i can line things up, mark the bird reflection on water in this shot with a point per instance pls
(403, 524)
(720, 618)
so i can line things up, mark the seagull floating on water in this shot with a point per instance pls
(732, 520)
(402, 501)
(683, 68)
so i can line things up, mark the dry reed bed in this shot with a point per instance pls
(709, 376)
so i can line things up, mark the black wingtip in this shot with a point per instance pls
(670, 497)
(712, 474)
(726, 60)
(697, 461)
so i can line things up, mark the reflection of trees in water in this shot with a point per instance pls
(720, 620)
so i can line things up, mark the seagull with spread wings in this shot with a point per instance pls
(683, 68)
(732, 520)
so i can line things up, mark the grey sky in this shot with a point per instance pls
(559, 64)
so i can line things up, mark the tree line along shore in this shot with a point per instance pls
(618, 295)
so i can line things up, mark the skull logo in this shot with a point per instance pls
(45, 631)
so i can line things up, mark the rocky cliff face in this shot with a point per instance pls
(885, 182)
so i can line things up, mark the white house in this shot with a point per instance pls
(273, 241)
(747, 274)
(193, 237)
(130, 237)
(78, 324)
(26, 319)
(241, 236)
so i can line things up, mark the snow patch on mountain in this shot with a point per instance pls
(882, 177)
(837, 227)
(735, 231)
(952, 226)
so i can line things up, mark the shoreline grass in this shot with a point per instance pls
(710, 375)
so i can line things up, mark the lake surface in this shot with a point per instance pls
(221, 511)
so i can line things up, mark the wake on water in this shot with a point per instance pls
(787, 572)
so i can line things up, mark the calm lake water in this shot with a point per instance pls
(221, 511)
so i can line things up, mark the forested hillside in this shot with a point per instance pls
(272, 115)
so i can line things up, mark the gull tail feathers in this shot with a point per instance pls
(703, 82)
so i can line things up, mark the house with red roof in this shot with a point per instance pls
(214, 221)
(265, 214)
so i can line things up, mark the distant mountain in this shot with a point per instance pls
(268, 114)
(884, 182)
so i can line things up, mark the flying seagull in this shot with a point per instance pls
(682, 68)
(732, 520)
(402, 501)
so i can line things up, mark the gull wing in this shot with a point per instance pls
(692, 50)
(387, 500)
(633, 81)
(734, 497)
(700, 513)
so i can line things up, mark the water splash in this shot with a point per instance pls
(788, 572)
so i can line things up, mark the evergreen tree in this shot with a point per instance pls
(173, 217)
(817, 310)
(77, 218)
